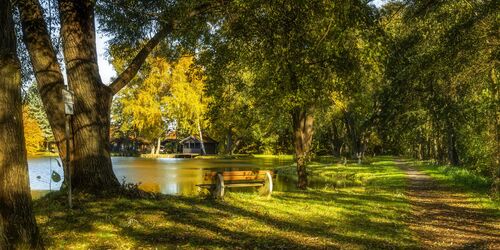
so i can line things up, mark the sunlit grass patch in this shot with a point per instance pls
(458, 177)
(463, 180)
(282, 157)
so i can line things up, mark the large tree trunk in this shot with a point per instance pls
(303, 132)
(18, 228)
(49, 78)
(91, 162)
(90, 158)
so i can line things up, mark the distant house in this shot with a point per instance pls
(192, 145)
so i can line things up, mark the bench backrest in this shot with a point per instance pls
(239, 175)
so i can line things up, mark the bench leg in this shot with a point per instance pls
(267, 189)
(219, 187)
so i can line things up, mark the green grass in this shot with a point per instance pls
(368, 212)
(282, 157)
(465, 180)
(225, 157)
(457, 177)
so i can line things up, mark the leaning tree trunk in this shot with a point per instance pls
(91, 162)
(48, 74)
(18, 228)
(303, 132)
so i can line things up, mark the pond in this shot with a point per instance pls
(166, 175)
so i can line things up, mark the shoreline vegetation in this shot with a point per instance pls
(351, 206)
(222, 157)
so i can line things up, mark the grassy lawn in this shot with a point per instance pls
(282, 157)
(350, 207)
(463, 180)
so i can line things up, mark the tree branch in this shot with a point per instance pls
(126, 76)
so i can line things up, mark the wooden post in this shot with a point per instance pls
(219, 186)
(68, 110)
(267, 189)
(68, 117)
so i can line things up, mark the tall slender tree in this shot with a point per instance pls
(18, 228)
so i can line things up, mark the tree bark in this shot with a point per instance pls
(48, 74)
(18, 229)
(303, 120)
(90, 159)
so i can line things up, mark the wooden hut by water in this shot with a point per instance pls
(192, 145)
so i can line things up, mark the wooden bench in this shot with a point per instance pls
(219, 181)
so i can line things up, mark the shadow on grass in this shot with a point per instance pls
(190, 224)
(371, 217)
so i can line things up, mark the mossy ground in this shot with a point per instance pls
(352, 207)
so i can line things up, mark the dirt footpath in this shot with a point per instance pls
(443, 219)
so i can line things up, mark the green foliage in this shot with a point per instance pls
(186, 102)
(458, 177)
(416, 78)
(280, 57)
(441, 100)
(162, 97)
(139, 107)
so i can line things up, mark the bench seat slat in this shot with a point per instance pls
(244, 184)
(237, 178)
(205, 185)
(233, 173)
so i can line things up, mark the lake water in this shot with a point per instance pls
(167, 175)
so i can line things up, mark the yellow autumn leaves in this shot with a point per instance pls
(166, 94)
(33, 134)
